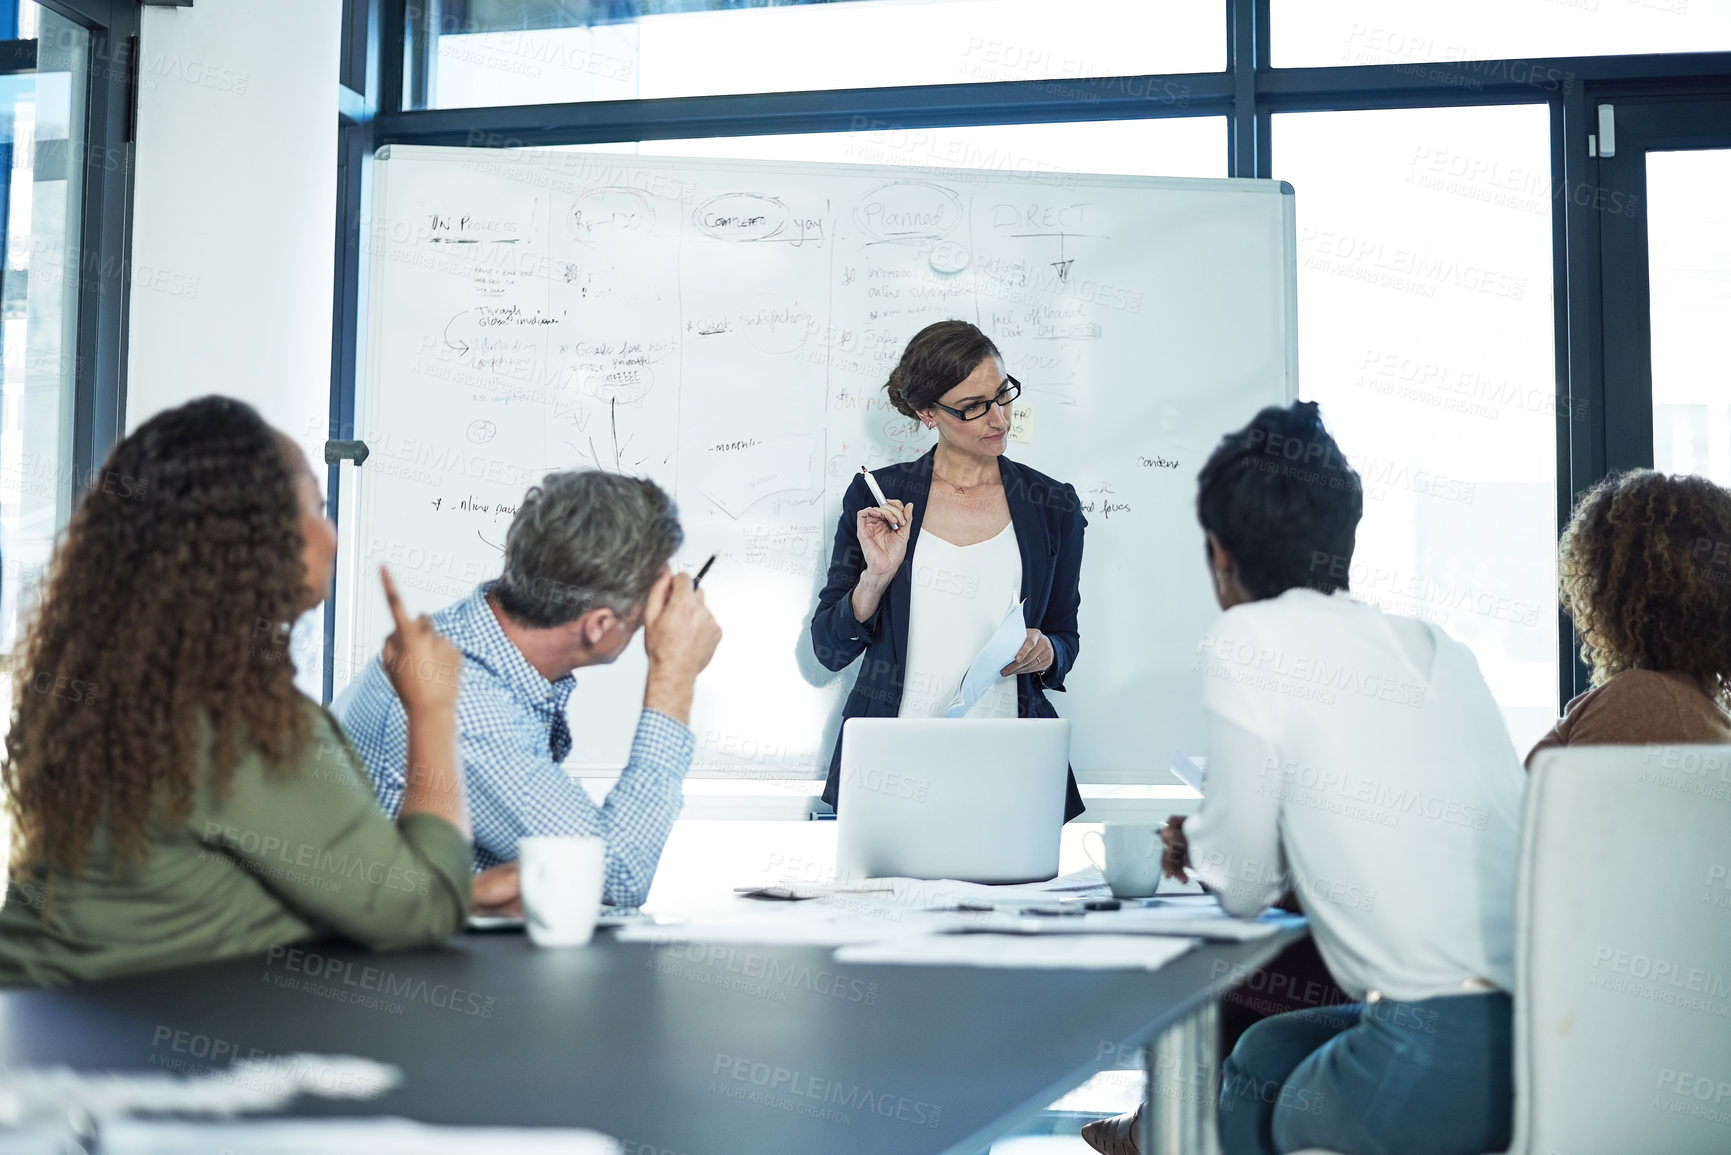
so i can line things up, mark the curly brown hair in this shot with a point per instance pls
(170, 595)
(1645, 572)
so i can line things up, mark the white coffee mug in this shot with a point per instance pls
(1130, 854)
(561, 879)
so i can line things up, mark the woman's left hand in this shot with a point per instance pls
(1036, 656)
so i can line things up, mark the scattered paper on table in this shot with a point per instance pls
(998, 652)
(856, 911)
(344, 1136)
(828, 922)
(797, 890)
(265, 1084)
(936, 893)
(1184, 920)
(948, 892)
(1066, 952)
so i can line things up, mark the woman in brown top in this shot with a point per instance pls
(1645, 571)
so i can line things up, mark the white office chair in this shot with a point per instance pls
(1623, 953)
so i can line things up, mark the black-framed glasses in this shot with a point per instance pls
(974, 412)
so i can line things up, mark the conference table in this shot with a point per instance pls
(684, 1049)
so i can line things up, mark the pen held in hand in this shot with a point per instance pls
(698, 580)
(878, 495)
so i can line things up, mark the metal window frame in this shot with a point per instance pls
(104, 227)
(1643, 124)
(1248, 93)
(1614, 305)
(357, 109)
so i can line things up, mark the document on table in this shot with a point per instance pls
(266, 1084)
(1055, 952)
(836, 920)
(999, 652)
(947, 893)
(944, 893)
(344, 1136)
(861, 910)
(1184, 919)
(609, 916)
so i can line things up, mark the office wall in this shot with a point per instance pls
(234, 212)
(233, 221)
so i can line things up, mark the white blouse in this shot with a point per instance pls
(960, 595)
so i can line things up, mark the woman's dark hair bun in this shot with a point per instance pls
(940, 357)
(894, 388)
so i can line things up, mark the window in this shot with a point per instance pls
(1689, 266)
(1330, 32)
(1426, 333)
(501, 52)
(41, 159)
(1181, 146)
(1427, 328)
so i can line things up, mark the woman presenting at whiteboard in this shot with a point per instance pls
(920, 583)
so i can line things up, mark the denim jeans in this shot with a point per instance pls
(1433, 1077)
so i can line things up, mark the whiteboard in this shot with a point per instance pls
(726, 327)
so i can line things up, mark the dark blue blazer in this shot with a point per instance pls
(1049, 523)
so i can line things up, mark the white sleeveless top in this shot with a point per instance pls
(960, 594)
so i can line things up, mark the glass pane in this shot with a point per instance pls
(1426, 332)
(1689, 267)
(538, 52)
(1325, 32)
(1180, 146)
(41, 146)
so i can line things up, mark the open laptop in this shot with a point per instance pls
(979, 800)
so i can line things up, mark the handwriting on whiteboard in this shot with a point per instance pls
(743, 216)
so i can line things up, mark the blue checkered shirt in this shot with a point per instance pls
(513, 735)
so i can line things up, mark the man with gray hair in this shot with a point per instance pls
(586, 564)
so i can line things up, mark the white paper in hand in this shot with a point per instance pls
(1187, 770)
(999, 652)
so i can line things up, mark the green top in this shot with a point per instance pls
(295, 852)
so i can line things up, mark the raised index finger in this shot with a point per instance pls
(398, 613)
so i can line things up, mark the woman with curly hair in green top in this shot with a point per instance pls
(1645, 572)
(174, 797)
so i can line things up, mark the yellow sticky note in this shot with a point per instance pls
(1021, 422)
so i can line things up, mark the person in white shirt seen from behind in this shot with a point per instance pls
(1357, 759)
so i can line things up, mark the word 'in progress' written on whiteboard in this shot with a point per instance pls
(726, 328)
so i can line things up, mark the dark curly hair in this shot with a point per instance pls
(1281, 497)
(936, 360)
(170, 595)
(1644, 569)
